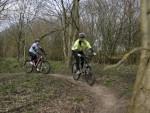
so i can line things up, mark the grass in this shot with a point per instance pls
(21, 93)
(78, 99)
(121, 79)
(33, 93)
(9, 65)
(57, 66)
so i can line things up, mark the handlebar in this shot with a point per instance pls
(87, 56)
(42, 56)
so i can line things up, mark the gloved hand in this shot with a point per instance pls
(79, 55)
(94, 53)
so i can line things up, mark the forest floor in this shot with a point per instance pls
(56, 93)
(59, 93)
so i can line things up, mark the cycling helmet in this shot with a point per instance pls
(37, 40)
(82, 35)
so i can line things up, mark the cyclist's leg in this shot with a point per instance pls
(33, 57)
(35, 62)
(82, 59)
(77, 62)
(82, 62)
(77, 59)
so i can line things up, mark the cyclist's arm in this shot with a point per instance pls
(42, 50)
(75, 46)
(34, 48)
(88, 46)
(74, 52)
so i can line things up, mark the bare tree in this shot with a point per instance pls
(25, 11)
(3, 4)
(112, 23)
(141, 95)
(67, 13)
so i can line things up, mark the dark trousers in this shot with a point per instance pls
(78, 59)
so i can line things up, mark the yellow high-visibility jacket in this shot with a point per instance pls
(84, 45)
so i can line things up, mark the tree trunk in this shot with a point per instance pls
(70, 24)
(18, 50)
(140, 102)
(64, 24)
(73, 28)
(24, 49)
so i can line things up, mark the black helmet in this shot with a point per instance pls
(82, 35)
(37, 40)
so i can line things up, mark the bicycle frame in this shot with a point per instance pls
(39, 61)
(85, 64)
(85, 71)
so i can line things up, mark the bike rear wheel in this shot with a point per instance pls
(74, 70)
(89, 77)
(45, 67)
(28, 66)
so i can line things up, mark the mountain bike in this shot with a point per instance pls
(41, 64)
(85, 70)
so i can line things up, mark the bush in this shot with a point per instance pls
(58, 67)
(9, 65)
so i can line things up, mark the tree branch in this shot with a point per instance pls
(125, 57)
(50, 32)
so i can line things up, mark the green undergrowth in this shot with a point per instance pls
(34, 93)
(9, 65)
(121, 79)
(58, 67)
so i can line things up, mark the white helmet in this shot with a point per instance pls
(37, 40)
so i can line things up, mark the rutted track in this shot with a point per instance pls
(106, 100)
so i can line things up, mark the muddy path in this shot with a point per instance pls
(106, 100)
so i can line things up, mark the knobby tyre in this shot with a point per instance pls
(28, 67)
(90, 78)
(45, 67)
(74, 70)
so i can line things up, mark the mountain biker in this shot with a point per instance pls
(34, 51)
(78, 49)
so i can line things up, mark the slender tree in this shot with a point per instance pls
(140, 102)
(73, 27)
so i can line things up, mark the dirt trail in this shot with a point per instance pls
(106, 100)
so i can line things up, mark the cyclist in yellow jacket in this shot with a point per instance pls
(78, 49)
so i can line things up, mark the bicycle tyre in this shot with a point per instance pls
(45, 67)
(28, 67)
(74, 70)
(89, 77)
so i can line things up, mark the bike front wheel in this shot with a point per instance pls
(74, 70)
(89, 77)
(28, 67)
(45, 67)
